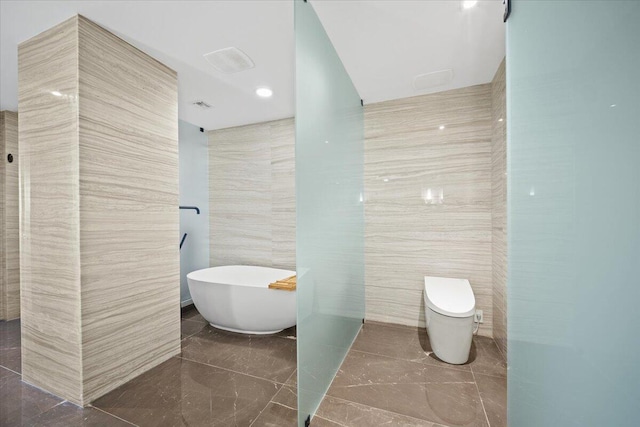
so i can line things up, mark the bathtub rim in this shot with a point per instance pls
(198, 275)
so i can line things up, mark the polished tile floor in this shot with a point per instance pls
(224, 379)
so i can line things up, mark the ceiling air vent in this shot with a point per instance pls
(431, 80)
(229, 60)
(201, 104)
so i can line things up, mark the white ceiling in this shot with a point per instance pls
(383, 45)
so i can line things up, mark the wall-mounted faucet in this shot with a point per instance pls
(195, 208)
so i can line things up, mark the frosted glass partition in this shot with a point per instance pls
(193, 149)
(574, 213)
(329, 206)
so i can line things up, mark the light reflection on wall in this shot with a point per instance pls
(433, 196)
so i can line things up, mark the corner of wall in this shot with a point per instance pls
(253, 215)
(499, 205)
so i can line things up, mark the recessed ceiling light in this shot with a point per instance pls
(441, 127)
(264, 92)
(613, 105)
(386, 180)
(56, 93)
(468, 4)
(500, 119)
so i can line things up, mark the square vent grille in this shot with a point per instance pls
(229, 60)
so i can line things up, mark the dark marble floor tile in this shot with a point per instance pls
(323, 422)
(275, 415)
(184, 393)
(287, 396)
(432, 393)
(6, 373)
(413, 344)
(10, 345)
(19, 402)
(10, 358)
(265, 356)
(493, 392)
(190, 327)
(190, 313)
(488, 359)
(10, 333)
(293, 379)
(352, 414)
(70, 415)
(406, 343)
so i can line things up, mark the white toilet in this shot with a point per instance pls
(450, 310)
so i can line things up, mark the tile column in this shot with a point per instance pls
(98, 129)
(9, 242)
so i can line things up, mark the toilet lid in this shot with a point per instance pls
(451, 297)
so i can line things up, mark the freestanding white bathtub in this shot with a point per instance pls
(237, 298)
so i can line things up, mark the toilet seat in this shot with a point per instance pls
(449, 297)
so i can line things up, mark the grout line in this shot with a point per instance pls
(481, 399)
(502, 377)
(504, 356)
(445, 366)
(265, 406)
(45, 411)
(23, 381)
(331, 421)
(282, 404)
(295, 372)
(11, 370)
(260, 413)
(231, 370)
(382, 410)
(54, 406)
(188, 336)
(281, 388)
(115, 416)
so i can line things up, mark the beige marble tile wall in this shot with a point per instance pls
(10, 253)
(252, 195)
(129, 218)
(100, 217)
(49, 211)
(283, 190)
(499, 206)
(252, 198)
(428, 200)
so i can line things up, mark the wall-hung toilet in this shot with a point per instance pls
(449, 310)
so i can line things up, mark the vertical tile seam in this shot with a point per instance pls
(3, 303)
(484, 410)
